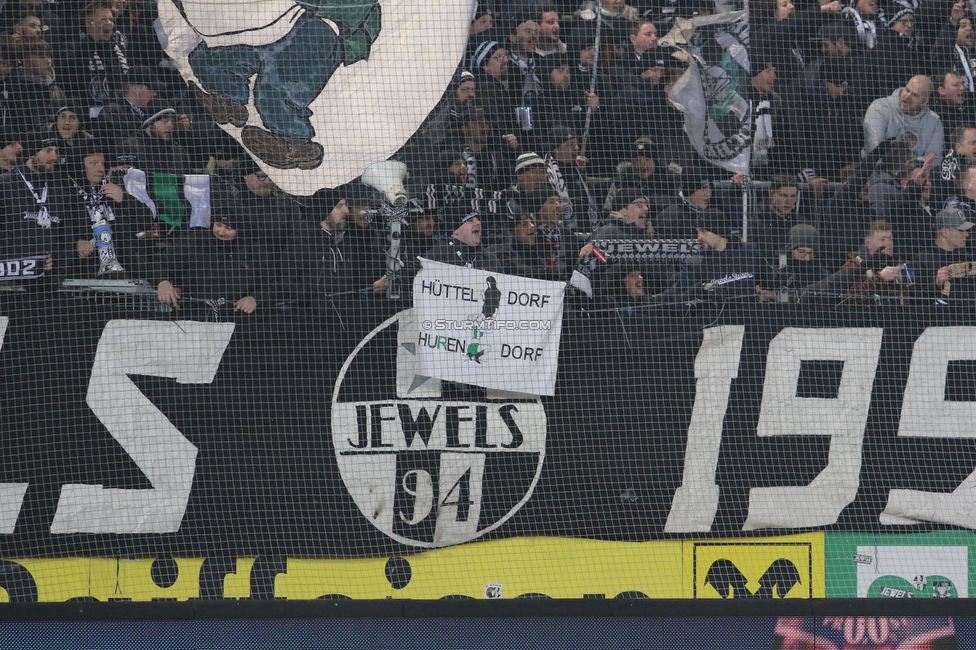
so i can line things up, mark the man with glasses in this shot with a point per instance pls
(630, 220)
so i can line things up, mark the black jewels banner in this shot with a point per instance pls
(125, 433)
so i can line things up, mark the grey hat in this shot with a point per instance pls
(802, 235)
(558, 135)
(952, 218)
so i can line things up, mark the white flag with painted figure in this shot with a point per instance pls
(487, 329)
(718, 119)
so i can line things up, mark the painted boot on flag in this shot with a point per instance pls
(282, 152)
(221, 109)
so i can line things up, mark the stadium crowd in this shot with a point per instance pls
(557, 135)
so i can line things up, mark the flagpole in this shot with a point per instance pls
(596, 63)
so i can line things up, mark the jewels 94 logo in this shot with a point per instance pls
(427, 462)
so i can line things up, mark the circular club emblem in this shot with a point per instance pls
(430, 463)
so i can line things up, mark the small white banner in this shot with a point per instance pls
(487, 329)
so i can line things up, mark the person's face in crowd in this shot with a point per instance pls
(636, 212)
(39, 66)
(482, 24)
(497, 64)
(223, 232)
(838, 48)
(784, 9)
(469, 232)
(67, 123)
(967, 148)
(525, 230)
(163, 128)
(905, 25)
(710, 241)
(549, 26)
(634, 284)
(259, 184)
(100, 25)
(804, 254)
(965, 36)
(94, 168)
(645, 39)
(867, 8)
(782, 200)
(701, 198)
(644, 166)
(10, 153)
(532, 178)
(44, 160)
(465, 92)
(561, 77)
(765, 80)
(880, 241)
(337, 217)
(614, 6)
(526, 37)
(654, 74)
(913, 97)
(357, 214)
(475, 133)
(953, 89)
(140, 95)
(954, 238)
(119, 7)
(460, 169)
(587, 56)
(550, 212)
(567, 151)
(425, 224)
(835, 90)
(29, 26)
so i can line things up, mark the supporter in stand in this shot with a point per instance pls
(953, 103)
(95, 63)
(630, 219)
(39, 216)
(488, 160)
(525, 253)
(679, 221)
(34, 91)
(437, 131)
(960, 156)
(561, 102)
(726, 269)
(123, 119)
(617, 18)
(156, 145)
(116, 219)
(953, 50)
(772, 225)
(797, 268)
(490, 66)
(28, 25)
(10, 150)
(464, 247)
(641, 172)
(548, 18)
(523, 38)
(945, 269)
(270, 213)
(905, 113)
(565, 169)
(324, 277)
(216, 267)
(872, 270)
(66, 128)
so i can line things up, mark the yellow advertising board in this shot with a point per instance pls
(775, 567)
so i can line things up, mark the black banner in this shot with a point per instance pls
(126, 433)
